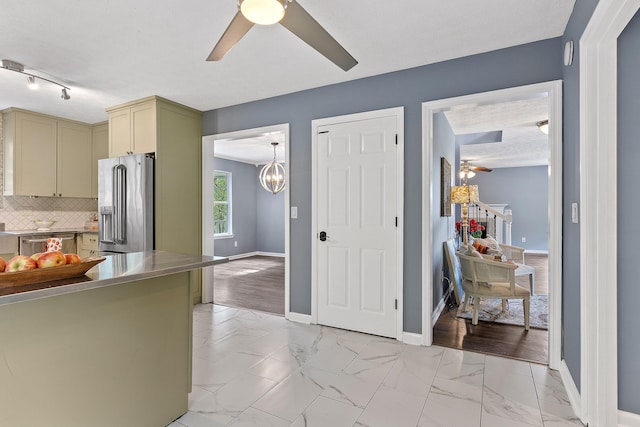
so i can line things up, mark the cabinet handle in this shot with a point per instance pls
(60, 195)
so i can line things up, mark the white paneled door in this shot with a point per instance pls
(356, 216)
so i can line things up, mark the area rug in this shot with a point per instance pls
(491, 311)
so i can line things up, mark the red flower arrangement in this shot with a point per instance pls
(475, 228)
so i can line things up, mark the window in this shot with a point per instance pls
(221, 203)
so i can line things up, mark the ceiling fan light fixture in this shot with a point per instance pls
(543, 126)
(263, 12)
(467, 174)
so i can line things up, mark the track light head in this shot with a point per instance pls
(31, 82)
(65, 94)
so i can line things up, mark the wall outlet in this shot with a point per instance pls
(524, 240)
(235, 243)
(574, 213)
(294, 212)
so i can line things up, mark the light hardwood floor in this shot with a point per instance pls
(255, 283)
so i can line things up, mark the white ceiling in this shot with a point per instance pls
(522, 143)
(115, 51)
(255, 150)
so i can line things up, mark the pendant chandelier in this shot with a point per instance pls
(272, 174)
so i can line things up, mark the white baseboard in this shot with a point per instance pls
(572, 391)
(628, 419)
(411, 338)
(275, 254)
(299, 317)
(438, 310)
(256, 253)
(238, 256)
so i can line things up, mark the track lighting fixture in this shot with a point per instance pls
(32, 81)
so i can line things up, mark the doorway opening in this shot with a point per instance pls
(482, 120)
(244, 222)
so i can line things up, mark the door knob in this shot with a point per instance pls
(323, 236)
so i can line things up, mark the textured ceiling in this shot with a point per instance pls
(522, 143)
(115, 51)
(255, 150)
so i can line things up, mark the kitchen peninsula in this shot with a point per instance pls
(110, 348)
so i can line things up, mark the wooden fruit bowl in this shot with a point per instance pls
(39, 275)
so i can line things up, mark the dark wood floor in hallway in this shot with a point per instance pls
(256, 283)
(497, 338)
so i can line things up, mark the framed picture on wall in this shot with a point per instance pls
(445, 187)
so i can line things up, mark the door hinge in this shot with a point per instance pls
(396, 221)
(323, 131)
(396, 139)
(396, 304)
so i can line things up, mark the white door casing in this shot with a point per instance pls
(598, 51)
(554, 91)
(208, 168)
(356, 204)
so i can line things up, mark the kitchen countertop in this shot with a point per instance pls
(33, 231)
(116, 269)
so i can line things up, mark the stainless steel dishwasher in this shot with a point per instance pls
(34, 243)
(8, 245)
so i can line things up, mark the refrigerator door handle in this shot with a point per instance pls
(120, 195)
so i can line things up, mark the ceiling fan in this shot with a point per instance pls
(290, 15)
(467, 169)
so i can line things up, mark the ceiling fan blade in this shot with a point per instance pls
(235, 31)
(480, 168)
(299, 22)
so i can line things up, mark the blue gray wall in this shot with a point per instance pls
(257, 216)
(582, 12)
(269, 219)
(628, 208)
(444, 145)
(514, 66)
(525, 190)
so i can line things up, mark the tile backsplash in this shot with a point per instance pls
(19, 212)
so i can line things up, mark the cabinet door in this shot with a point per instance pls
(35, 155)
(99, 150)
(74, 160)
(143, 128)
(119, 132)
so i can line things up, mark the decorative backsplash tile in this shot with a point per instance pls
(19, 212)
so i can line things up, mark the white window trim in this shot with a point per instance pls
(229, 202)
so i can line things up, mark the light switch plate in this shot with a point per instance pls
(574, 213)
(294, 212)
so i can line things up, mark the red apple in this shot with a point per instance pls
(36, 256)
(19, 263)
(51, 259)
(3, 264)
(72, 258)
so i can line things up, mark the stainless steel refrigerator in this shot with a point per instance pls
(125, 204)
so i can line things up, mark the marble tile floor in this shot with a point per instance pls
(256, 369)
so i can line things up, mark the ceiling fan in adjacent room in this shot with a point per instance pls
(290, 15)
(467, 170)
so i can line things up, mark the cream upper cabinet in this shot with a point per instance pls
(174, 133)
(29, 154)
(74, 168)
(99, 150)
(45, 156)
(132, 128)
